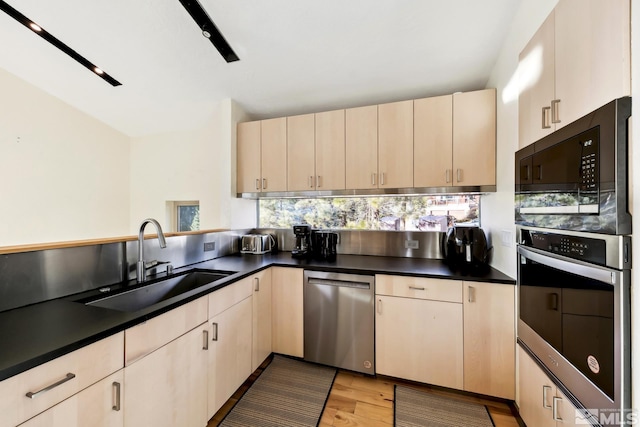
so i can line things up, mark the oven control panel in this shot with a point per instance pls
(577, 247)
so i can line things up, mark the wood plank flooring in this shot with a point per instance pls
(360, 400)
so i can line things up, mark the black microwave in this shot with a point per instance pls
(577, 178)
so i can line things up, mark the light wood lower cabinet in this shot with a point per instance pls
(230, 342)
(287, 311)
(540, 402)
(261, 330)
(168, 387)
(489, 339)
(98, 405)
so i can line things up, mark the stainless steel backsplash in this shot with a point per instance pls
(32, 277)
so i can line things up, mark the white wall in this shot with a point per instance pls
(190, 165)
(497, 208)
(63, 174)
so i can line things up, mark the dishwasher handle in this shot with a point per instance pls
(338, 283)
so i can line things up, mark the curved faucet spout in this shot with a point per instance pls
(141, 272)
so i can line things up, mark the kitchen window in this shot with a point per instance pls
(417, 213)
(184, 215)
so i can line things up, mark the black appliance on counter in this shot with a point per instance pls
(466, 247)
(574, 257)
(323, 244)
(302, 248)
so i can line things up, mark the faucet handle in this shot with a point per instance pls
(169, 269)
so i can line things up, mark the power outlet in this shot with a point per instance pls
(411, 244)
(209, 246)
(506, 236)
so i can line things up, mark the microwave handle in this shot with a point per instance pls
(600, 274)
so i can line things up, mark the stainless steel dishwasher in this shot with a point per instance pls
(339, 320)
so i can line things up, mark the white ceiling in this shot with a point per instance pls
(296, 56)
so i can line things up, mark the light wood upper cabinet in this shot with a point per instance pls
(536, 79)
(489, 339)
(361, 132)
(433, 141)
(577, 61)
(474, 138)
(592, 55)
(249, 171)
(330, 150)
(395, 145)
(301, 153)
(168, 387)
(287, 311)
(274, 154)
(261, 318)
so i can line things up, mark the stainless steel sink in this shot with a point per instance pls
(153, 293)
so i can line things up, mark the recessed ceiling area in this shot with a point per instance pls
(296, 56)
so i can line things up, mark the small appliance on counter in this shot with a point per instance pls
(466, 246)
(258, 244)
(323, 244)
(302, 248)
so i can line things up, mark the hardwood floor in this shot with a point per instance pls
(360, 400)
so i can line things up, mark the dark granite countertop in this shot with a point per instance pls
(36, 334)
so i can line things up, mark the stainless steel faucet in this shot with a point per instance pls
(141, 271)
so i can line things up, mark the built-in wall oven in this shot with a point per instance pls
(574, 256)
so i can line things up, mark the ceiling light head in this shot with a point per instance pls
(35, 27)
(206, 32)
(98, 70)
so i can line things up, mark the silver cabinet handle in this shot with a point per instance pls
(310, 183)
(545, 388)
(205, 340)
(446, 175)
(415, 288)
(555, 111)
(556, 417)
(257, 183)
(459, 175)
(214, 325)
(472, 294)
(545, 117)
(116, 396)
(379, 309)
(318, 181)
(33, 395)
(373, 179)
(264, 183)
(257, 280)
(381, 178)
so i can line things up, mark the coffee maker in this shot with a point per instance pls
(302, 249)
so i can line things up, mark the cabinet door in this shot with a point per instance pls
(261, 318)
(592, 55)
(301, 153)
(432, 141)
(98, 405)
(248, 149)
(169, 386)
(536, 78)
(361, 139)
(419, 340)
(474, 138)
(330, 151)
(274, 154)
(229, 353)
(489, 339)
(395, 144)
(287, 311)
(536, 393)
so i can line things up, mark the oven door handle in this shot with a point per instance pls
(577, 267)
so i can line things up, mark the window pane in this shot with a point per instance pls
(188, 218)
(422, 213)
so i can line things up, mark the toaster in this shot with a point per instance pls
(257, 244)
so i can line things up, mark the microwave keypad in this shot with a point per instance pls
(588, 172)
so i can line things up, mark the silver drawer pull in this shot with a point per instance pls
(68, 377)
(116, 396)
(205, 339)
(415, 288)
(214, 325)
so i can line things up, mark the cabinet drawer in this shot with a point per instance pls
(149, 336)
(419, 287)
(226, 297)
(89, 364)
